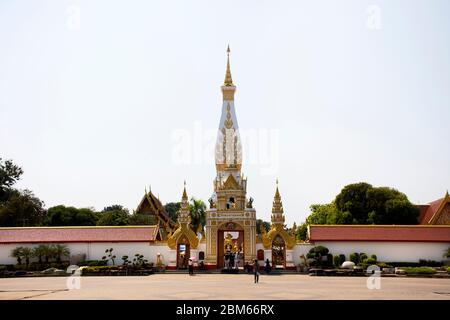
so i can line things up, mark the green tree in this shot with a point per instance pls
(60, 250)
(115, 215)
(361, 203)
(353, 199)
(260, 223)
(70, 216)
(27, 254)
(172, 209)
(197, 211)
(18, 254)
(322, 214)
(302, 232)
(48, 252)
(137, 219)
(39, 252)
(9, 174)
(22, 209)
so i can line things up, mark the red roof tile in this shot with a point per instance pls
(379, 233)
(431, 208)
(79, 234)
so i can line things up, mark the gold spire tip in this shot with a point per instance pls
(228, 80)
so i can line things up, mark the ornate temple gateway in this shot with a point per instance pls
(229, 239)
(230, 229)
(230, 214)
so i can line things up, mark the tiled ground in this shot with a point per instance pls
(218, 286)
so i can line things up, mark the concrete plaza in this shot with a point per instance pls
(221, 286)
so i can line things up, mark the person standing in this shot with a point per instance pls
(191, 267)
(256, 270)
(267, 267)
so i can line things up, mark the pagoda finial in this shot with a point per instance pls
(446, 194)
(277, 193)
(228, 80)
(184, 197)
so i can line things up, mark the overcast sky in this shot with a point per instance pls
(99, 99)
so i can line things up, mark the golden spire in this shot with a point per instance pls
(277, 193)
(228, 81)
(184, 197)
(277, 206)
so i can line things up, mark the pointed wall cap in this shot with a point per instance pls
(228, 80)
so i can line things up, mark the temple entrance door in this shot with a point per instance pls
(183, 253)
(278, 252)
(230, 237)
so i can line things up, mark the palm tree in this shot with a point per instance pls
(27, 254)
(47, 252)
(60, 250)
(39, 252)
(18, 254)
(197, 211)
(447, 253)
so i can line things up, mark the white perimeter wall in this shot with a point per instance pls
(390, 251)
(95, 251)
(385, 251)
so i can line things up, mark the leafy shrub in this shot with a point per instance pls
(92, 263)
(419, 270)
(448, 269)
(310, 255)
(337, 260)
(319, 250)
(430, 263)
(109, 256)
(362, 256)
(125, 260)
(7, 267)
(374, 256)
(369, 261)
(100, 268)
(384, 265)
(421, 263)
(342, 258)
(318, 253)
(354, 257)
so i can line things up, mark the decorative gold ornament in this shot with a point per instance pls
(228, 121)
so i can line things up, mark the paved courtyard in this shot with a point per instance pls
(218, 286)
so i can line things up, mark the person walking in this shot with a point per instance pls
(191, 267)
(267, 267)
(256, 270)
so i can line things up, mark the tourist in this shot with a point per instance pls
(236, 260)
(231, 264)
(267, 267)
(191, 267)
(256, 270)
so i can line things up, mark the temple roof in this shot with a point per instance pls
(429, 212)
(80, 234)
(150, 205)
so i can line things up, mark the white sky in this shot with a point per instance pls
(90, 110)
